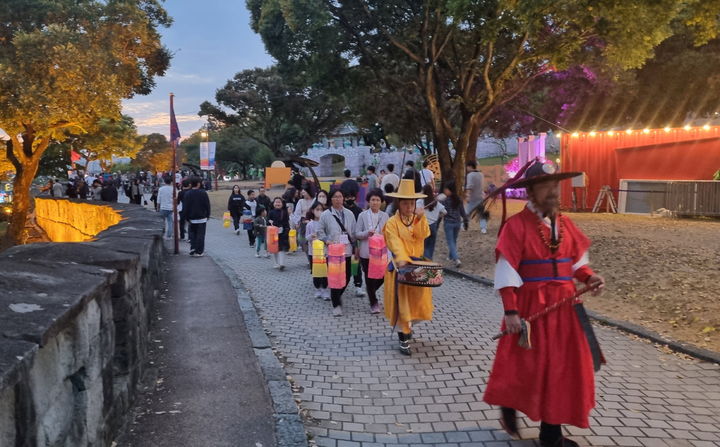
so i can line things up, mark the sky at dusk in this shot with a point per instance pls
(211, 41)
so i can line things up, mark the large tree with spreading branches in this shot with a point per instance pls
(64, 65)
(467, 58)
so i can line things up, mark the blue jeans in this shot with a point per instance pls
(430, 242)
(260, 243)
(168, 216)
(452, 230)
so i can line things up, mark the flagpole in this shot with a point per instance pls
(176, 227)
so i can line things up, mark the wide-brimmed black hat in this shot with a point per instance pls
(539, 172)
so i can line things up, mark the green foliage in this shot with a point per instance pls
(55, 162)
(282, 113)
(234, 151)
(66, 64)
(456, 62)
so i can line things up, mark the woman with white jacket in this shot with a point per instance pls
(370, 222)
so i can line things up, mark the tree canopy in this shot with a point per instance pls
(154, 155)
(277, 110)
(467, 59)
(64, 65)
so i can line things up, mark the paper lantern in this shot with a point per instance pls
(273, 239)
(292, 236)
(226, 219)
(319, 263)
(247, 220)
(336, 266)
(378, 256)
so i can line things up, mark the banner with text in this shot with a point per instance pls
(207, 156)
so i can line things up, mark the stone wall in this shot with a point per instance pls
(74, 323)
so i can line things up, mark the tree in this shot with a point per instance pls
(234, 150)
(155, 154)
(109, 138)
(468, 58)
(64, 65)
(284, 114)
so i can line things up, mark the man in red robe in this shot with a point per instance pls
(539, 253)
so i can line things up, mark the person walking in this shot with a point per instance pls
(539, 253)
(196, 205)
(370, 222)
(311, 233)
(427, 177)
(109, 192)
(251, 205)
(404, 235)
(372, 178)
(337, 226)
(182, 218)
(165, 202)
(434, 211)
(236, 205)
(390, 178)
(454, 219)
(96, 190)
(58, 190)
(260, 229)
(475, 192)
(279, 217)
(263, 199)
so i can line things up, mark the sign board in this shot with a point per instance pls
(207, 155)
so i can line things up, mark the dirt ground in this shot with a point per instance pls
(661, 273)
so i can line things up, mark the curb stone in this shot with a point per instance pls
(625, 326)
(289, 428)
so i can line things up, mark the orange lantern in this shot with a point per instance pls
(273, 239)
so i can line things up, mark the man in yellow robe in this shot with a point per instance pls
(405, 234)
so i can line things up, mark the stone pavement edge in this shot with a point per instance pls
(355, 389)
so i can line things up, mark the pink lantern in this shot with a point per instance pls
(336, 266)
(378, 256)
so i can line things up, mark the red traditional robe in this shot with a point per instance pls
(554, 381)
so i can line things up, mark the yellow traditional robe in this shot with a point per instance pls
(415, 303)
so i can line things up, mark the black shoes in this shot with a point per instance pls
(404, 343)
(562, 441)
(508, 421)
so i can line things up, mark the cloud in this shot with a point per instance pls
(157, 119)
(189, 78)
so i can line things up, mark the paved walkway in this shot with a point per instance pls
(209, 389)
(357, 390)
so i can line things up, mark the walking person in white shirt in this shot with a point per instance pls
(426, 176)
(165, 202)
(475, 193)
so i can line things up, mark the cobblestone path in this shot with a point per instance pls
(357, 390)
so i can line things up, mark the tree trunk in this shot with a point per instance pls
(21, 205)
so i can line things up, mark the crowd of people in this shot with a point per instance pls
(539, 254)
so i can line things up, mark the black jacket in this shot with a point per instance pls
(264, 201)
(236, 204)
(109, 193)
(196, 204)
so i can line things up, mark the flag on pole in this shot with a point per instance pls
(74, 156)
(174, 129)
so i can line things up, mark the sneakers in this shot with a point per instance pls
(267, 255)
(483, 231)
(276, 266)
(257, 255)
(375, 308)
(192, 252)
(281, 268)
(237, 232)
(326, 294)
(359, 291)
(337, 311)
(458, 263)
(318, 293)
(199, 255)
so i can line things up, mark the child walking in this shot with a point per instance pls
(280, 217)
(311, 231)
(260, 227)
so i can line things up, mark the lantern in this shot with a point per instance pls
(336, 266)
(378, 256)
(319, 263)
(292, 236)
(273, 239)
(226, 219)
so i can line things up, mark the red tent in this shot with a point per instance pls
(687, 153)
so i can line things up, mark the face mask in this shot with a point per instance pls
(322, 200)
(317, 213)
